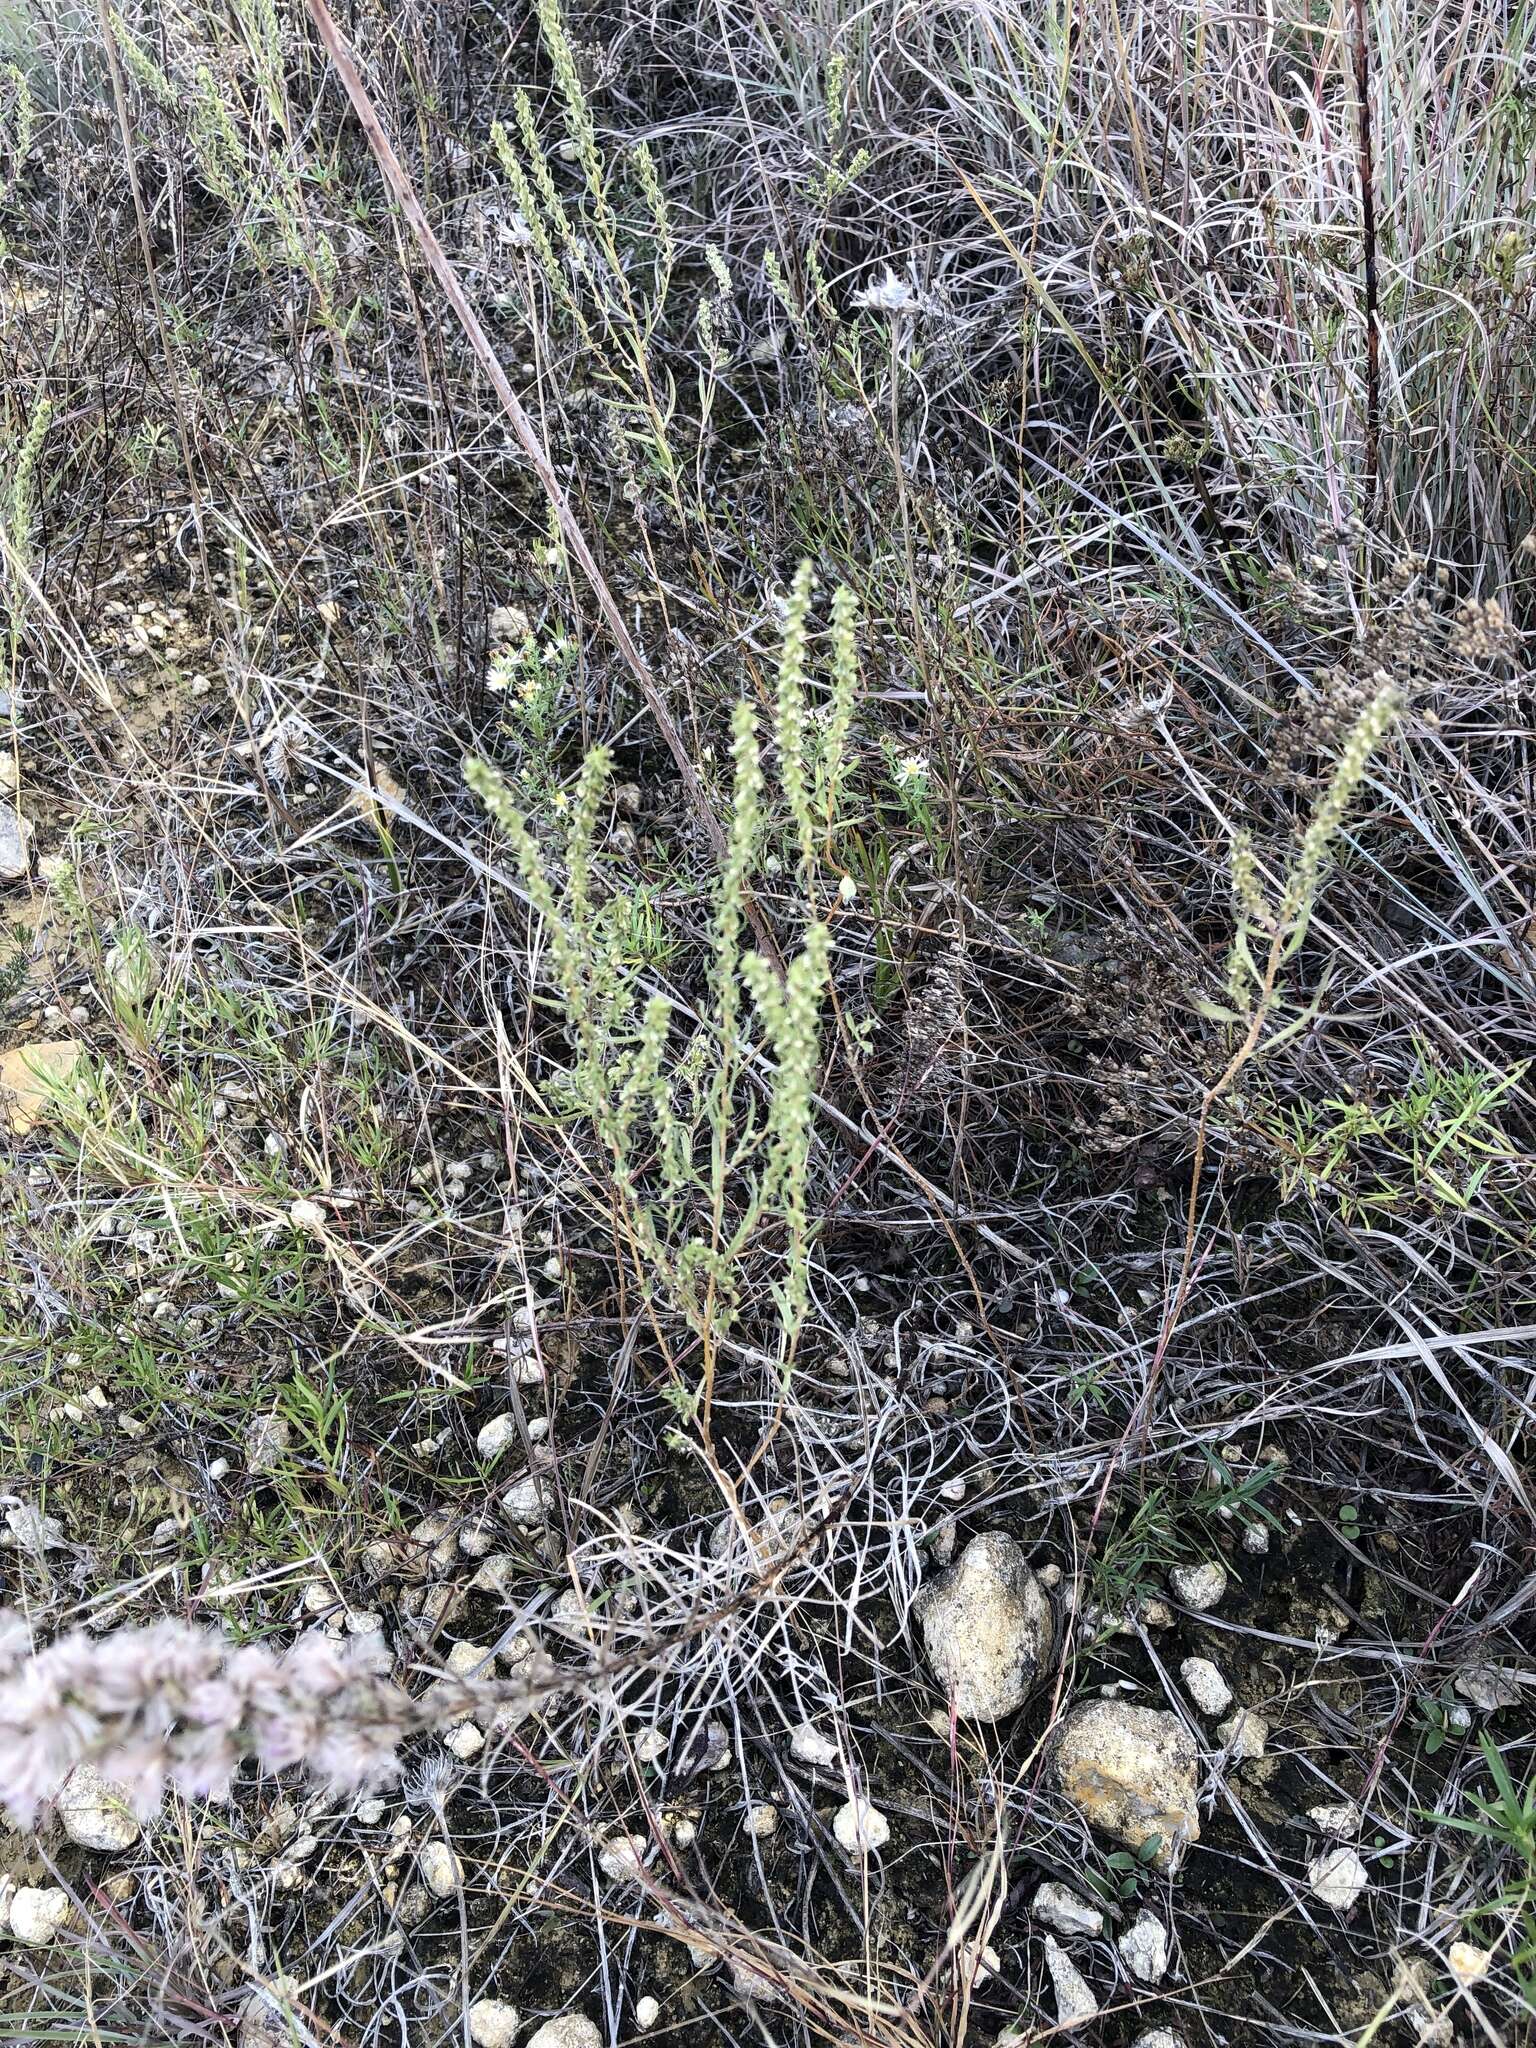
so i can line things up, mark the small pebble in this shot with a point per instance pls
(1337, 1878)
(492, 2024)
(762, 1821)
(1245, 1735)
(30, 1531)
(647, 2013)
(860, 1828)
(622, 1858)
(807, 1745)
(1199, 1587)
(1340, 1821)
(976, 1963)
(1075, 2003)
(494, 1438)
(1058, 1908)
(1144, 1949)
(1205, 1685)
(97, 1811)
(525, 1502)
(1469, 1965)
(570, 2030)
(38, 1914)
(441, 1871)
(266, 1444)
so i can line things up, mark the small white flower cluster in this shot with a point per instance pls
(172, 1703)
(529, 670)
(890, 295)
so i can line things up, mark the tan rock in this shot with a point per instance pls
(986, 1627)
(97, 1812)
(1132, 1772)
(1469, 1965)
(29, 1075)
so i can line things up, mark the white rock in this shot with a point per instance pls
(15, 843)
(492, 2024)
(1205, 1685)
(574, 1615)
(1062, 1910)
(762, 1821)
(986, 1628)
(96, 1811)
(570, 2030)
(1341, 1821)
(622, 1858)
(1337, 1877)
(465, 1742)
(647, 2013)
(1245, 1735)
(976, 1962)
(266, 1443)
(525, 1502)
(520, 1356)
(495, 1575)
(1159, 2037)
(1132, 1771)
(26, 1529)
(650, 1746)
(494, 1438)
(861, 1828)
(1256, 1539)
(306, 1215)
(1144, 1949)
(807, 1745)
(1468, 1965)
(441, 1871)
(1075, 2003)
(38, 1914)
(1198, 1586)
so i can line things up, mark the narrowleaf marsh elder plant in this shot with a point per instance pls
(1269, 933)
(705, 1123)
